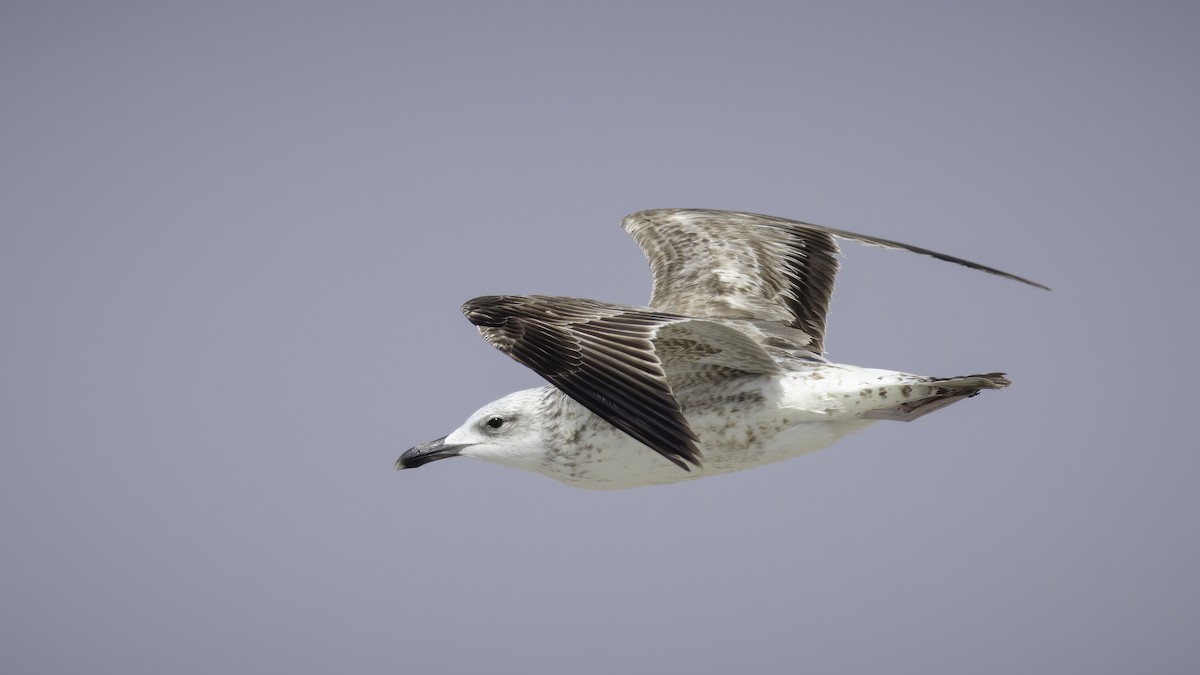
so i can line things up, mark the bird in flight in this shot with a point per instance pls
(722, 371)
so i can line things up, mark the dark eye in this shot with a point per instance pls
(495, 422)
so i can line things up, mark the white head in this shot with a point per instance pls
(504, 431)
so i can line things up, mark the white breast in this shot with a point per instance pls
(752, 424)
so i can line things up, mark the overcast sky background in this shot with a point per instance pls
(234, 238)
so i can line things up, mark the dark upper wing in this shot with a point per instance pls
(731, 265)
(613, 360)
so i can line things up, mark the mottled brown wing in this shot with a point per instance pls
(611, 359)
(737, 266)
(732, 265)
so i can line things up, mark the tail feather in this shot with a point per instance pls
(936, 393)
(976, 382)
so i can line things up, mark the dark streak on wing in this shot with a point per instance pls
(733, 265)
(601, 355)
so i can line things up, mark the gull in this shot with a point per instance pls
(722, 371)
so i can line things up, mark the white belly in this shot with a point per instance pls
(625, 463)
(785, 419)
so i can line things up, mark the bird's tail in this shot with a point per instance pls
(917, 399)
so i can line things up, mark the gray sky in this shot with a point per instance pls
(233, 242)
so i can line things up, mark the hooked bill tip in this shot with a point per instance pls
(426, 453)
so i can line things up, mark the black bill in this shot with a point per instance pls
(426, 453)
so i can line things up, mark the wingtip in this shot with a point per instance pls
(687, 459)
(1029, 282)
(685, 464)
(483, 311)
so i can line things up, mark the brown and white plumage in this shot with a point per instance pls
(729, 265)
(625, 364)
(736, 320)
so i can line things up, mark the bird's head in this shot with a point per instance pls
(505, 431)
